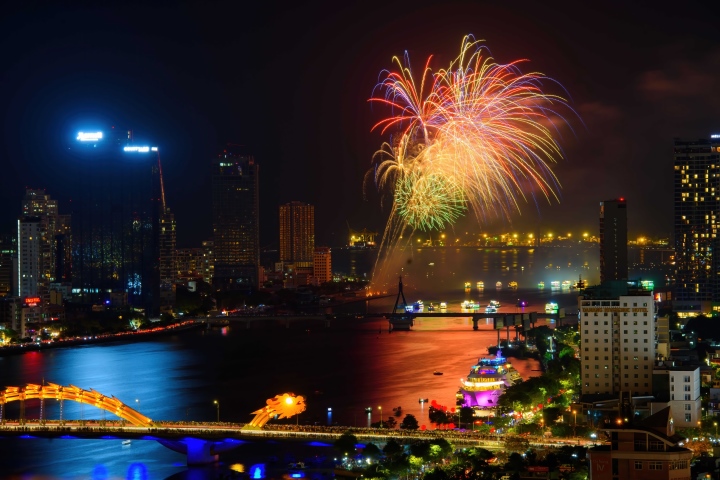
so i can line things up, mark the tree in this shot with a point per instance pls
(345, 445)
(409, 422)
(392, 448)
(372, 451)
(515, 462)
(421, 449)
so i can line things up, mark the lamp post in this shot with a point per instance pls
(380, 408)
(715, 423)
(368, 410)
(575, 423)
(217, 409)
(137, 402)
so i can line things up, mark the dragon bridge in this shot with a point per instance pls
(76, 394)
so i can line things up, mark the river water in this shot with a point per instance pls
(348, 367)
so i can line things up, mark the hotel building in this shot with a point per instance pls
(696, 216)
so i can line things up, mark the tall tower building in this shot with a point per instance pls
(613, 240)
(297, 233)
(168, 259)
(8, 265)
(617, 329)
(235, 211)
(322, 265)
(696, 216)
(30, 257)
(116, 222)
(37, 244)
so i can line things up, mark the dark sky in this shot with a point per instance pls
(291, 83)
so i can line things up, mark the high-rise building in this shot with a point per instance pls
(30, 257)
(235, 211)
(63, 249)
(116, 222)
(617, 331)
(322, 265)
(8, 265)
(297, 233)
(696, 221)
(613, 240)
(167, 240)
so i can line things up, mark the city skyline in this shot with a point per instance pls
(292, 85)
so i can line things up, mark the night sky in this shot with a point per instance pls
(291, 84)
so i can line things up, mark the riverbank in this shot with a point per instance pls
(123, 337)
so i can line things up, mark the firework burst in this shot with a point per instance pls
(477, 136)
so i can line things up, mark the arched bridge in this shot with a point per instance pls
(75, 394)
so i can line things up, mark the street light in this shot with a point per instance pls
(380, 408)
(137, 401)
(575, 423)
(715, 423)
(217, 409)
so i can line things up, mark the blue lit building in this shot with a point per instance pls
(116, 223)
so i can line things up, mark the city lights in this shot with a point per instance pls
(144, 149)
(89, 136)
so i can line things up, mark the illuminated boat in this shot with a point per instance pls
(498, 285)
(566, 284)
(555, 285)
(551, 307)
(467, 285)
(541, 285)
(486, 381)
(480, 285)
(513, 285)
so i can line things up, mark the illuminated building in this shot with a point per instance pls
(116, 222)
(190, 263)
(617, 331)
(697, 206)
(322, 265)
(167, 240)
(362, 239)
(679, 388)
(648, 449)
(613, 240)
(208, 265)
(8, 265)
(235, 211)
(30, 247)
(297, 234)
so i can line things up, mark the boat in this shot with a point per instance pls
(467, 285)
(566, 284)
(555, 285)
(513, 285)
(498, 285)
(541, 285)
(418, 305)
(443, 305)
(490, 309)
(480, 285)
(495, 303)
(126, 442)
(431, 307)
(487, 380)
(551, 307)
(436, 372)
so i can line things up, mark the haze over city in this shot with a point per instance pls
(291, 85)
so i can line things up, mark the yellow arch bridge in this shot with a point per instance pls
(89, 397)
(198, 451)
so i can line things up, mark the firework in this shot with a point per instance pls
(477, 136)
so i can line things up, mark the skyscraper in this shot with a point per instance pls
(322, 265)
(613, 240)
(697, 206)
(297, 233)
(235, 211)
(8, 265)
(37, 244)
(116, 218)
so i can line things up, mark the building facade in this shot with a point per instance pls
(297, 233)
(696, 210)
(235, 211)
(613, 240)
(322, 265)
(8, 265)
(116, 224)
(644, 450)
(617, 331)
(679, 388)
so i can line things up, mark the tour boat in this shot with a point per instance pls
(541, 285)
(513, 285)
(498, 285)
(487, 380)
